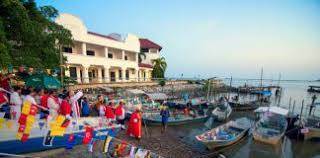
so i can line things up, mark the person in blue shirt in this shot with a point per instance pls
(165, 114)
(85, 107)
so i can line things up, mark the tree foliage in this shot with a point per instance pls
(159, 68)
(29, 36)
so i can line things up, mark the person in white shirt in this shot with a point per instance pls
(29, 96)
(75, 104)
(53, 104)
(16, 102)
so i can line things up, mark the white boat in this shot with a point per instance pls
(226, 134)
(271, 126)
(222, 111)
(11, 145)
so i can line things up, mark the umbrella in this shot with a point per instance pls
(43, 81)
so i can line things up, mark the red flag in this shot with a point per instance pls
(33, 110)
(22, 119)
(21, 128)
(65, 123)
(24, 137)
(88, 134)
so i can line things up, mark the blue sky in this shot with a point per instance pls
(215, 38)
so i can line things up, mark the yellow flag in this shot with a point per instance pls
(57, 131)
(19, 135)
(31, 119)
(28, 129)
(9, 124)
(26, 107)
(2, 121)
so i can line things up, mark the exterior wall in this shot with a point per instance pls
(151, 55)
(99, 68)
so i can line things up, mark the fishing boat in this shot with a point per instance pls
(10, 145)
(271, 126)
(314, 89)
(311, 128)
(244, 106)
(153, 118)
(226, 134)
(222, 111)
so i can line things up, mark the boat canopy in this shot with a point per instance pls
(273, 109)
(135, 91)
(157, 96)
(264, 93)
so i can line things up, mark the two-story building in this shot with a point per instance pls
(97, 58)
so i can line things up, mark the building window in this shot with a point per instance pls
(90, 52)
(144, 50)
(102, 71)
(110, 55)
(125, 57)
(73, 73)
(67, 49)
(120, 75)
(127, 74)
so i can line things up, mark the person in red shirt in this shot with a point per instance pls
(65, 107)
(120, 114)
(4, 106)
(108, 111)
(4, 81)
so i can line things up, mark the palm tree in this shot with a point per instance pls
(141, 56)
(159, 67)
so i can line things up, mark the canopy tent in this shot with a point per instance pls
(135, 91)
(273, 109)
(157, 96)
(107, 89)
(43, 81)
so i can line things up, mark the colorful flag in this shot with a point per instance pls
(71, 141)
(2, 121)
(47, 141)
(106, 144)
(88, 134)
(59, 125)
(92, 145)
(26, 121)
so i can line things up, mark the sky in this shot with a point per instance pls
(207, 38)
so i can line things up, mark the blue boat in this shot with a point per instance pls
(10, 145)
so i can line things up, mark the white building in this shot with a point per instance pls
(97, 58)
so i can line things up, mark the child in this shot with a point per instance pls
(165, 116)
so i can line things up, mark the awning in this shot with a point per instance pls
(273, 109)
(157, 96)
(135, 91)
(107, 89)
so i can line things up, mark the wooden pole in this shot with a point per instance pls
(300, 119)
(230, 88)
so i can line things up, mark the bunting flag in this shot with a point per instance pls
(106, 144)
(88, 134)
(71, 142)
(119, 149)
(48, 139)
(59, 125)
(92, 145)
(132, 151)
(2, 121)
(26, 120)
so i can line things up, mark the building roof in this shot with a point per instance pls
(101, 35)
(146, 43)
(145, 65)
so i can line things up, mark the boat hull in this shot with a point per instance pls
(267, 140)
(158, 122)
(214, 145)
(35, 144)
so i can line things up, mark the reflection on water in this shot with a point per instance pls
(248, 148)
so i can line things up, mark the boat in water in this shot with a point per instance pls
(154, 118)
(226, 134)
(9, 144)
(272, 125)
(244, 106)
(314, 89)
(223, 110)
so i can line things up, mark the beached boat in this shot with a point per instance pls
(9, 143)
(155, 118)
(314, 89)
(312, 128)
(222, 111)
(226, 134)
(271, 126)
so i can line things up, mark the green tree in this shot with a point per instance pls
(29, 36)
(141, 56)
(159, 67)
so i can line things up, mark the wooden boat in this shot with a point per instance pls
(226, 134)
(312, 128)
(180, 119)
(244, 106)
(314, 89)
(222, 111)
(271, 127)
(10, 145)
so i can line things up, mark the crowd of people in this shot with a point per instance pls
(71, 104)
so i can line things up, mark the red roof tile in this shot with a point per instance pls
(146, 43)
(145, 65)
(101, 35)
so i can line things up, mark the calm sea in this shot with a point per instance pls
(248, 148)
